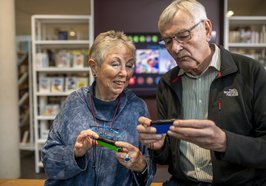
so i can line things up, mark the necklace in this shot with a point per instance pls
(96, 123)
(94, 113)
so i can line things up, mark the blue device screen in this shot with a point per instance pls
(162, 126)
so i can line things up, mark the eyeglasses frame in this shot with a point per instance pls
(175, 37)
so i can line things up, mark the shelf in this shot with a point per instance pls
(41, 141)
(247, 45)
(62, 42)
(246, 35)
(246, 20)
(61, 18)
(52, 93)
(26, 146)
(45, 117)
(57, 69)
(24, 83)
(52, 46)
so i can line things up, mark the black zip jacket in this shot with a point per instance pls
(237, 104)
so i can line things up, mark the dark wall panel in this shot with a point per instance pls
(128, 15)
(142, 15)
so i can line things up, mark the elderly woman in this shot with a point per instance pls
(73, 155)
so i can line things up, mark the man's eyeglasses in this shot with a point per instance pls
(180, 37)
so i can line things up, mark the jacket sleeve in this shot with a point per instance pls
(57, 153)
(147, 178)
(163, 155)
(148, 175)
(245, 150)
(58, 159)
(249, 150)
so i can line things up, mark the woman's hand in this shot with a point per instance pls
(84, 142)
(130, 157)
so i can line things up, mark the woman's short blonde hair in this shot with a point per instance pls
(107, 40)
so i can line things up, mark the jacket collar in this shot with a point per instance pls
(227, 67)
(126, 96)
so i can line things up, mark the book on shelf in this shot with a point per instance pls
(81, 82)
(50, 110)
(44, 134)
(44, 131)
(44, 84)
(248, 34)
(57, 84)
(78, 60)
(63, 59)
(41, 60)
(70, 84)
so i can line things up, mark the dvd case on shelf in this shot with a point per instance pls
(81, 82)
(78, 60)
(57, 84)
(44, 84)
(70, 84)
(41, 60)
(63, 59)
(51, 109)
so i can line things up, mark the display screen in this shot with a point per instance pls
(152, 61)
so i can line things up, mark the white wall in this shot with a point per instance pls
(26, 8)
(248, 7)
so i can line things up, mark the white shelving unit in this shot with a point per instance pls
(246, 35)
(25, 100)
(60, 44)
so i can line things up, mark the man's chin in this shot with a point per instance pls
(186, 68)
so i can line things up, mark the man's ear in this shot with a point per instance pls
(208, 28)
(93, 66)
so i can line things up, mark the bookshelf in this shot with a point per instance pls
(246, 35)
(23, 43)
(60, 45)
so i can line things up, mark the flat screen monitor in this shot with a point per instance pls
(152, 61)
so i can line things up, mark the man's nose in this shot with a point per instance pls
(176, 46)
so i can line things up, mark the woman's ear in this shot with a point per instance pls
(93, 66)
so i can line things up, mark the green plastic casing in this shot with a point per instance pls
(108, 144)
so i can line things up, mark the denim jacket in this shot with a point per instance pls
(99, 165)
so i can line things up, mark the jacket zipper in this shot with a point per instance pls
(219, 104)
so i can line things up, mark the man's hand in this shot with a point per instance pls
(148, 136)
(204, 133)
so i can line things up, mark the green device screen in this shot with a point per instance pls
(109, 144)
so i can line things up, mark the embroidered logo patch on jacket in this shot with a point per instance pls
(231, 92)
